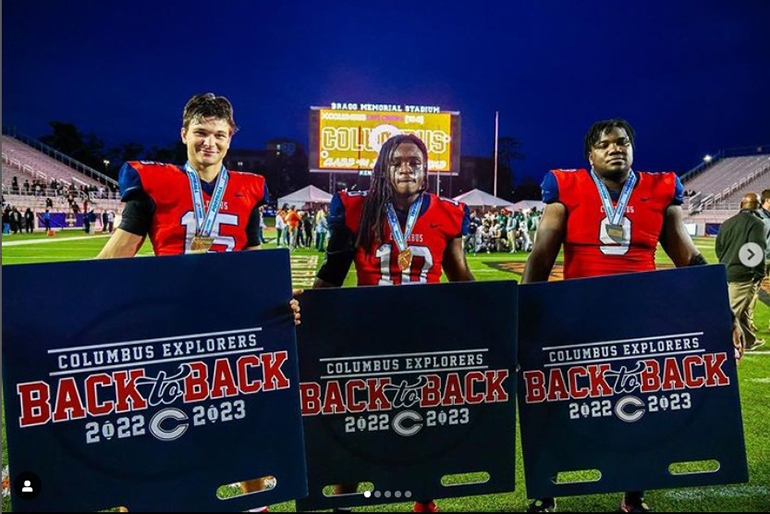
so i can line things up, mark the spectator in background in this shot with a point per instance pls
(111, 220)
(743, 281)
(48, 203)
(533, 220)
(527, 246)
(502, 217)
(104, 221)
(29, 219)
(15, 220)
(307, 225)
(47, 220)
(15, 186)
(26, 186)
(87, 221)
(497, 236)
(511, 227)
(280, 226)
(7, 220)
(261, 226)
(293, 220)
(300, 229)
(319, 217)
(486, 234)
(764, 214)
(473, 239)
(321, 229)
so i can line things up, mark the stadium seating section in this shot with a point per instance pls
(24, 162)
(715, 192)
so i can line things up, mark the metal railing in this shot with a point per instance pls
(92, 196)
(730, 152)
(58, 156)
(716, 201)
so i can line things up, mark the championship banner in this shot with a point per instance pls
(403, 386)
(151, 383)
(629, 383)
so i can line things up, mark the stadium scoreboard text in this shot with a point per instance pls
(347, 137)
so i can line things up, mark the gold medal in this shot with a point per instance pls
(201, 244)
(615, 232)
(405, 259)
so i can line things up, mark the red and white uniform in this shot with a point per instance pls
(588, 249)
(173, 224)
(440, 220)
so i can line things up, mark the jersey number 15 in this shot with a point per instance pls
(189, 222)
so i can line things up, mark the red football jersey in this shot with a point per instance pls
(440, 221)
(173, 225)
(588, 249)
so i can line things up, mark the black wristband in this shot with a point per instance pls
(697, 260)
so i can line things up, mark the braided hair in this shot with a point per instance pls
(381, 190)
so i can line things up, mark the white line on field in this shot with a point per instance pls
(737, 491)
(51, 240)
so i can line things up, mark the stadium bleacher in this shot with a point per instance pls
(715, 189)
(44, 165)
(39, 165)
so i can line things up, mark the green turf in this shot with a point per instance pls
(754, 374)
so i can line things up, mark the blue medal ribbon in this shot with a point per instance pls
(615, 214)
(204, 220)
(399, 237)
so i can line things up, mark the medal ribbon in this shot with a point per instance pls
(615, 214)
(399, 237)
(204, 221)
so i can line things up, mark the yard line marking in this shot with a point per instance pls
(721, 492)
(52, 240)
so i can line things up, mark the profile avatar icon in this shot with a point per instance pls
(27, 485)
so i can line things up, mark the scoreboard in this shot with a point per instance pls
(346, 137)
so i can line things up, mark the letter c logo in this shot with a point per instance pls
(635, 414)
(410, 415)
(168, 435)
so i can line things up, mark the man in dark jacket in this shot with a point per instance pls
(15, 220)
(741, 246)
(29, 220)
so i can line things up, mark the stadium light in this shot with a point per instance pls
(106, 164)
(707, 158)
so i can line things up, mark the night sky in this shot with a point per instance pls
(691, 77)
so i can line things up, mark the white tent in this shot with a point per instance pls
(478, 198)
(528, 204)
(309, 194)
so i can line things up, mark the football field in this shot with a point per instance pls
(754, 378)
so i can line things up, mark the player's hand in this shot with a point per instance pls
(294, 304)
(737, 341)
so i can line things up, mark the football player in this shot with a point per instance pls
(195, 208)
(168, 202)
(610, 220)
(396, 232)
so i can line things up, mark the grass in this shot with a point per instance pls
(754, 378)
